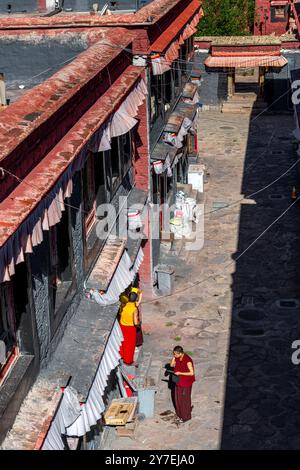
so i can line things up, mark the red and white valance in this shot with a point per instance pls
(162, 63)
(177, 139)
(49, 211)
(122, 121)
(30, 233)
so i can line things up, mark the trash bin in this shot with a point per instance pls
(165, 278)
(146, 401)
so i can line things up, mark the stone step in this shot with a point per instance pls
(244, 96)
(240, 106)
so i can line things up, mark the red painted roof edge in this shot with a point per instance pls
(164, 40)
(25, 197)
(156, 9)
(79, 71)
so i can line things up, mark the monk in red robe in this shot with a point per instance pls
(184, 369)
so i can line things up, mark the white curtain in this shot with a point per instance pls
(75, 420)
(122, 277)
(176, 139)
(49, 211)
(92, 410)
(30, 233)
(68, 412)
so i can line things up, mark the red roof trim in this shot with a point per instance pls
(279, 3)
(41, 98)
(164, 40)
(242, 62)
(28, 194)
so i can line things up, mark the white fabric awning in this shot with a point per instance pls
(121, 279)
(138, 261)
(92, 410)
(122, 121)
(49, 211)
(30, 233)
(67, 413)
(176, 139)
(123, 276)
(71, 419)
(162, 63)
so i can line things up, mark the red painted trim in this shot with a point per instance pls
(13, 355)
(42, 5)
(174, 29)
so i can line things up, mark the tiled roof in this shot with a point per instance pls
(242, 62)
(37, 105)
(172, 31)
(43, 177)
(240, 40)
(155, 10)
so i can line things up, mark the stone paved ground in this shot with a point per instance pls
(255, 403)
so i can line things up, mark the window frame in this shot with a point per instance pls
(57, 311)
(7, 311)
(275, 17)
(88, 185)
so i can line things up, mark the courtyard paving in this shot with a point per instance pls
(246, 395)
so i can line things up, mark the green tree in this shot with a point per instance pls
(227, 17)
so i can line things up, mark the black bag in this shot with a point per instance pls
(175, 378)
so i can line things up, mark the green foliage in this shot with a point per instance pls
(227, 18)
(189, 353)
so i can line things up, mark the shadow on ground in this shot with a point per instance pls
(262, 392)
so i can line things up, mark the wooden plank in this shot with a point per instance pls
(106, 264)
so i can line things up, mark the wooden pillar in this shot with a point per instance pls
(261, 80)
(231, 84)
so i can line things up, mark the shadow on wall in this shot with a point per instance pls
(214, 86)
(262, 391)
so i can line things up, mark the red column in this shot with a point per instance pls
(41, 5)
(141, 177)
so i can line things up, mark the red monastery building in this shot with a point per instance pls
(88, 102)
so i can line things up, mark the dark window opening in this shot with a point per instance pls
(16, 329)
(157, 97)
(280, 12)
(176, 75)
(125, 146)
(100, 180)
(22, 309)
(62, 275)
(88, 185)
(7, 333)
(169, 92)
(115, 164)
